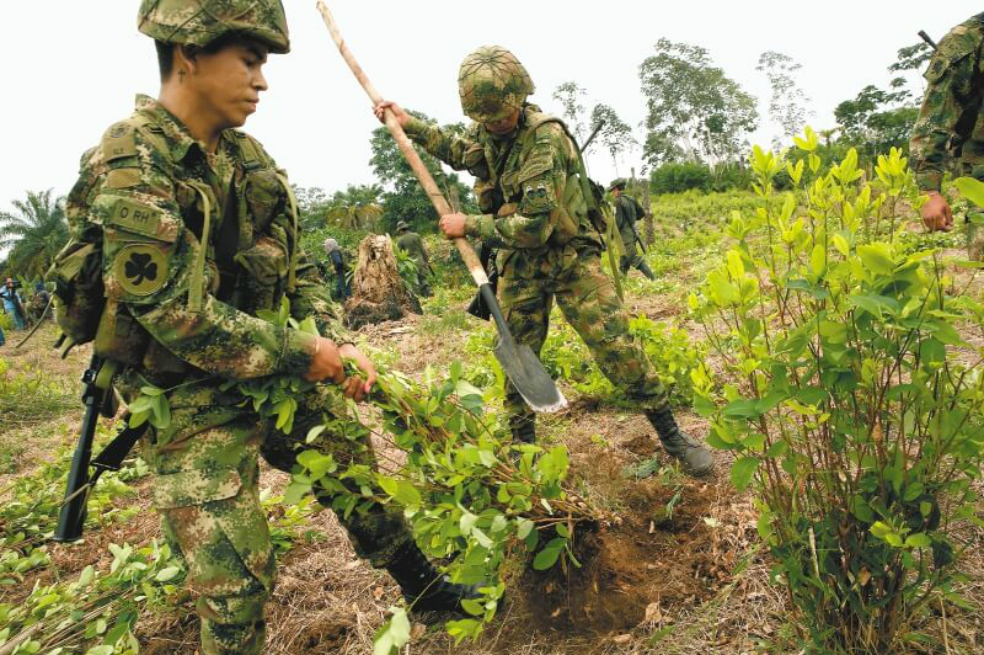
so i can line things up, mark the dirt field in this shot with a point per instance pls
(680, 570)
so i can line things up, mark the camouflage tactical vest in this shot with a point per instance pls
(506, 185)
(261, 208)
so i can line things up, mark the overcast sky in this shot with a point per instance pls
(72, 67)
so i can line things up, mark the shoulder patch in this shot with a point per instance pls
(119, 141)
(540, 161)
(538, 197)
(140, 268)
(136, 217)
(123, 178)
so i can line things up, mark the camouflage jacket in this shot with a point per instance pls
(627, 212)
(414, 245)
(527, 184)
(148, 192)
(950, 131)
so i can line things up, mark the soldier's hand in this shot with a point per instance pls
(401, 116)
(327, 363)
(453, 225)
(355, 387)
(936, 213)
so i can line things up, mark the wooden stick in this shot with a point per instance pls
(423, 175)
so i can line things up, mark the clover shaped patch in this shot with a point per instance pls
(141, 269)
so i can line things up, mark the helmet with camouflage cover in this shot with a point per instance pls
(618, 183)
(492, 83)
(199, 22)
(402, 225)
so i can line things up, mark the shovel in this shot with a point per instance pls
(520, 365)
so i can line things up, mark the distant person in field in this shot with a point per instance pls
(38, 302)
(628, 212)
(527, 169)
(339, 269)
(13, 305)
(411, 243)
(949, 134)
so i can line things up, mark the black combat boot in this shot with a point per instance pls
(524, 432)
(694, 456)
(644, 267)
(423, 586)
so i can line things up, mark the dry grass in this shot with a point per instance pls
(699, 584)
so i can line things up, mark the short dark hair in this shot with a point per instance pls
(165, 51)
(165, 58)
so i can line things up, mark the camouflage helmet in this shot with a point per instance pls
(618, 183)
(199, 22)
(402, 225)
(492, 83)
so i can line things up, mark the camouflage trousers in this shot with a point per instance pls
(423, 285)
(206, 488)
(632, 257)
(587, 298)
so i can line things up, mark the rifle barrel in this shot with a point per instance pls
(928, 39)
(594, 133)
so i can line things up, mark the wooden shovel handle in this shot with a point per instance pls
(423, 175)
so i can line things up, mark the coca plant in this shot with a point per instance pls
(470, 494)
(848, 395)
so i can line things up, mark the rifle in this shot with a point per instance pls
(632, 224)
(97, 396)
(925, 37)
(478, 307)
(635, 233)
(594, 133)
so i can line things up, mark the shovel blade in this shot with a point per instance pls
(527, 374)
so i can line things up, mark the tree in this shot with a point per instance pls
(403, 198)
(694, 109)
(570, 95)
(616, 135)
(788, 102)
(876, 120)
(358, 207)
(36, 235)
(908, 59)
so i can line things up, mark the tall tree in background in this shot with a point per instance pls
(571, 96)
(34, 236)
(788, 103)
(877, 119)
(403, 198)
(695, 111)
(616, 135)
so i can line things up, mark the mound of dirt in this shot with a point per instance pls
(627, 567)
(326, 633)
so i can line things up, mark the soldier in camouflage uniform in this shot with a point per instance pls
(627, 213)
(528, 186)
(949, 133)
(411, 243)
(196, 231)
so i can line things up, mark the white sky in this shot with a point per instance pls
(71, 67)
